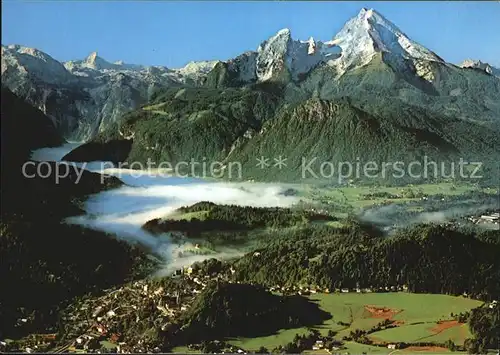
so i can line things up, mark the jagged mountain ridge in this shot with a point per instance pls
(94, 65)
(84, 97)
(361, 38)
(354, 46)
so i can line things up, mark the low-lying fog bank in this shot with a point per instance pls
(432, 210)
(123, 211)
(150, 195)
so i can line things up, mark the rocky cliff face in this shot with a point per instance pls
(84, 97)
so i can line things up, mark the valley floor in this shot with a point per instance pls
(418, 318)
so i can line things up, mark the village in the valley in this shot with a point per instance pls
(96, 322)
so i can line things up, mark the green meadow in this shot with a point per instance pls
(417, 316)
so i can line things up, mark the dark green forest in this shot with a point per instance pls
(484, 323)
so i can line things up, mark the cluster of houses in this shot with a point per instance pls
(96, 320)
(129, 301)
(319, 211)
(306, 290)
(219, 347)
(320, 345)
(31, 344)
(492, 218)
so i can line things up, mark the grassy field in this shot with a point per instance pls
(342, 201)
(417, 316)
(108, 345)
(430, 332)
(354, 196)
(356, 348)
(414, 312)
(184, 350)
(270, 342)
(156, 109)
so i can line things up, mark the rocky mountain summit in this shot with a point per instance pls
(477, 64)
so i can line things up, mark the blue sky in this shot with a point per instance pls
(174, 33)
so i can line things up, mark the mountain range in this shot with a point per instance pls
(370, 91)
(82, 97)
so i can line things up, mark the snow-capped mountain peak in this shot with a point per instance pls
(368, 33)
(98, 91)
(92, 58)
(93, 91)
(271, 55)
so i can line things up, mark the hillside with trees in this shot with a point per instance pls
(229, 310)
(44, 263)
(423, 258)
